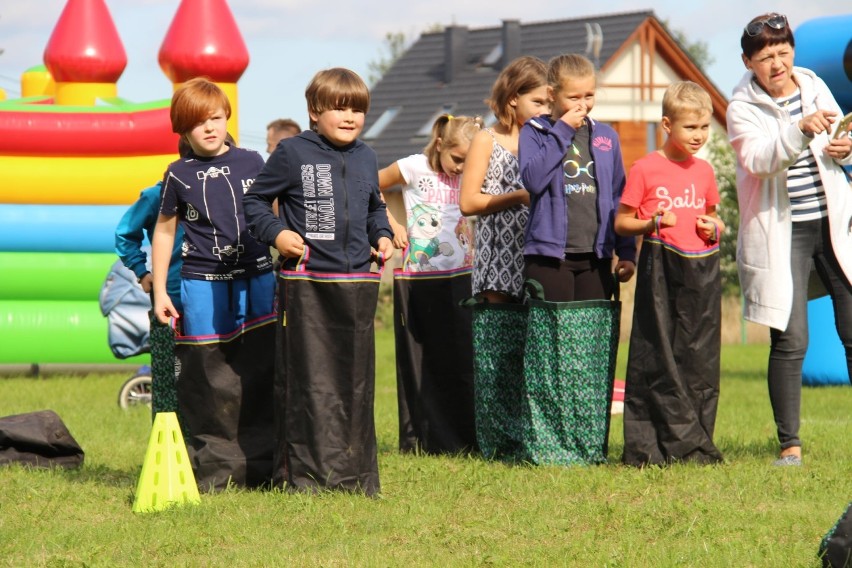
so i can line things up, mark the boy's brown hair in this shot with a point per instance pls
(336, 88)
(194, 101)
(685, 96)
(520, 76)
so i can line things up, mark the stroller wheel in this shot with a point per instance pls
(135, 391)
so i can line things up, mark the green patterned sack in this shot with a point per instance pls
(502, 418)
(569, 371)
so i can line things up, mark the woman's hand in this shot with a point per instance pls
(817, 123)
(839, 148)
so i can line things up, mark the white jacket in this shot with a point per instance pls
(766, 144)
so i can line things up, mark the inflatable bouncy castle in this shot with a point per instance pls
(824, 45)
(73, 156)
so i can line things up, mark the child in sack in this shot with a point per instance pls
(672, 384)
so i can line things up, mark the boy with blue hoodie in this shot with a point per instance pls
(330, 214)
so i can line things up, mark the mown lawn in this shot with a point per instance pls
(441, 511)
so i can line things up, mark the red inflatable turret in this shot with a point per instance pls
(203, 40)
(85, 55)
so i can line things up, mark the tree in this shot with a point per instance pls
(395, 44)
(699, 51)
(721, 156)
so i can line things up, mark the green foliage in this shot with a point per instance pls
(441, 511)
(699, 51)
(394, 46)
(721, 156)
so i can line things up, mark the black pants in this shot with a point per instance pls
(811, 248)
(576, 277)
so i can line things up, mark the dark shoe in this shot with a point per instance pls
(788, 460)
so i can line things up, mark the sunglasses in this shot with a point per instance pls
(774, 21)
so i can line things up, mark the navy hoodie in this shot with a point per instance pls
(327, 194)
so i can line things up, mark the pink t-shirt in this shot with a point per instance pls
(687, 188)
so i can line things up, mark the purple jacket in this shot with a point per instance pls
(542, 147)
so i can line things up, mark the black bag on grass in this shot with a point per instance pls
(38, 439)
(434, 361)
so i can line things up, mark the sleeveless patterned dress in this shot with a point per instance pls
(498, 264)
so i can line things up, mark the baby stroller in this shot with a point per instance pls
(126, 307)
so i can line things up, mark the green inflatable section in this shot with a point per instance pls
(43, 331)
(51, 276)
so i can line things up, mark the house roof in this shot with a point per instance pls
(456, 68)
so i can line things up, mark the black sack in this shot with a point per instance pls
(836, 546)
(434, 361)
(224, 393)
(325, 382)
(38, 439)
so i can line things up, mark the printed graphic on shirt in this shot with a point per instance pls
(579, 177)
(442, 243)
(318, 194)
(227, 246)
(463, 233)
(688, 198)
(424, 227)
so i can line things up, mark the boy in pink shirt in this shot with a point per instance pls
(672, 388)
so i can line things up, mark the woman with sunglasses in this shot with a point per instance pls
(795, 209)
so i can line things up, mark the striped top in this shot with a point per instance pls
(804, 186)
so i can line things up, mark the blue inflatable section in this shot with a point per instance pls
(59, 228)
(824, 45)
(825, 361)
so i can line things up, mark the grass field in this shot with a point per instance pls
(441, 511)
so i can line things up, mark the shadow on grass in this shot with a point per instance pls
(101, 474)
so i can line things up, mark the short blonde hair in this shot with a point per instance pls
(568, 66)
(336, 88)
(194, 101)
(520, 76)
(451, 131)
(685, 96)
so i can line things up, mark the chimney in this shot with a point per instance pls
(455, 51)
(511, 41)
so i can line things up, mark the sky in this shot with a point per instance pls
(289, 40)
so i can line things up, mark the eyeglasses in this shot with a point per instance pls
(774, 21)
(573, 169)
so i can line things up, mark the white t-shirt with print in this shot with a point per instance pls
(439, 236)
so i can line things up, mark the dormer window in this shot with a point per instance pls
(493, 58)
(379, 126)
(426, 129)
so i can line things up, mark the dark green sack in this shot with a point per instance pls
(569, 372)
(543, 378)
(502, 418)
